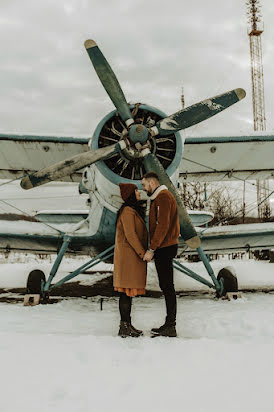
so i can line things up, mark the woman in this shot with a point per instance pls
(129, 276)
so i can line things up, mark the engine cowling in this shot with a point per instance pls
(127, 165)
(101, 179)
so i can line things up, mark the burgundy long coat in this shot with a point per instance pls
(130, 271)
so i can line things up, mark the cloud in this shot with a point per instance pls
(48, 84)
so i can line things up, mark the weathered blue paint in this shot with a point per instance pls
(138, 136)
(57, 262)
(216, 284)
(198, 112)
(106, 254)
(107, 227)
(58, 217)
(234, 235)
(229, 139)
(210, 271)
(85, 140)
(104, 237)
(118, 179)
(49, 139)
(68, 216)
(108, 79)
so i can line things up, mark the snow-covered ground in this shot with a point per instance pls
(67, 356)
(251, 274)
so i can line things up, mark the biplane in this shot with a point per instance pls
(128, 142)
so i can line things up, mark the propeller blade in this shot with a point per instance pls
(68, 166)
(188, 232)
(109, 80)
(197, 112)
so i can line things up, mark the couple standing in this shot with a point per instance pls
(131, 252)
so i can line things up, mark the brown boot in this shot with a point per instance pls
(140, 332)
(127, 330)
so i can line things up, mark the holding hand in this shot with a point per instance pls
(148, 256)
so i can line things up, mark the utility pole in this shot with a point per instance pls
(183, 98)
(257, 78)
(244, 203)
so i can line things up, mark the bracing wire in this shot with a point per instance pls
(219, 171)
(27, 214)
(22, 211)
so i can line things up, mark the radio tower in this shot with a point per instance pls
(257, 78)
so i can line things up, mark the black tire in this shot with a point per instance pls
(229, 279)
(34, 281)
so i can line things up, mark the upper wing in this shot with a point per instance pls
(228, 158)
(204, 158)
(26, 154)
(225, 239)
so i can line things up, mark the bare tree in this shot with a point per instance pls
(225, 206)
(222, 201)
(193, 195)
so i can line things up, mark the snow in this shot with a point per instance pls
(15, 269)
(251, 274)
(68, 357)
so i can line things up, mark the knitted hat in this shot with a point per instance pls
(126, 189)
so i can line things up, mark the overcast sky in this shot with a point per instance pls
(48, 85)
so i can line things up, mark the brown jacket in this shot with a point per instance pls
(164, 226)
(131, 242)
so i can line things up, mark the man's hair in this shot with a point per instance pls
(151, 175)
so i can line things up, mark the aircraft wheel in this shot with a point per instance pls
(229, 279)
(34, 281)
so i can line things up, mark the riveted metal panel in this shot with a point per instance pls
(21, 154)
(228, 158)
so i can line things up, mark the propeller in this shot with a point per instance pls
(109, 81)
(69, 166)
(197, 113)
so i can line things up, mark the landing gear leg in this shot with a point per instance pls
(42, 292)
(226, 284)
(37, 286)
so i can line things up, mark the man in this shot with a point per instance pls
(164, 230)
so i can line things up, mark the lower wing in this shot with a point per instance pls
(225, 239)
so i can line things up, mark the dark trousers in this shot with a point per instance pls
(125, 307)
(163, 261)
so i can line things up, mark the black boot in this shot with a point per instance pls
(168, 329)
(127, 330)
(158, 330)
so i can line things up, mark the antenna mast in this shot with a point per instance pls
(257, 78)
